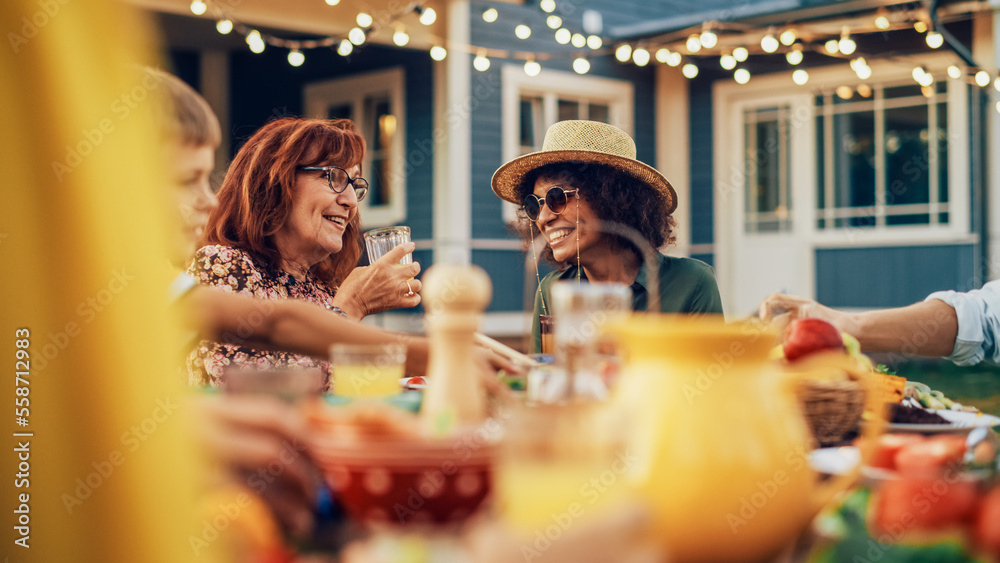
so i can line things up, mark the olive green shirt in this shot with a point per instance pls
(686, 286)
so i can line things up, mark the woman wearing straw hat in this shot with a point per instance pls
(584, 193)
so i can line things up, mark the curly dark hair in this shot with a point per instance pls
(616, 197)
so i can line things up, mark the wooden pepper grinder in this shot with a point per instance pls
(455, 297)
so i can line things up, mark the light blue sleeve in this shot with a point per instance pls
(978, 323)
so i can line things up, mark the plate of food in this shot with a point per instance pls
(908, 418)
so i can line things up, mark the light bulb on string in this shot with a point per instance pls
(693, 44)
(800, 76)
(547, 5)
(769, 42)
(364, 19)
(255, 42)
(481, 62)
(579, 40)
(844, 92)
(846, 44)
(881, 20)
(581, 65)
(982, 78)
(927, 91)
(438, 53)
(727, 61)
(674, 58)
(794, 56)
(926, 79)
(224, 26)
(996, 84)
(954, 72)
(864, 72)
(934, 39)
(864, 90)
(741, 54)
(427, 15)
(662, 54)
(400, 38)
(332, 2)
(553, 21)
(855, 63)
(345, 47)
(198, 7)
(640, 56)
(522, 31)
(917, 73)
(708, 38)
(689, 70)
(998, 107)
(623, 53)
(563, 36)
(532, 68)
(832, 46)
(741, 76)
(920, 26)
(787, 37)
(296, 58)
(594, 42)
(356, 35)
(490, 15)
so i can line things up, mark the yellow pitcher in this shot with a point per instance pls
(719, 442)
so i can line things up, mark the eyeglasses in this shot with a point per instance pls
(556, 199)
(338, 179)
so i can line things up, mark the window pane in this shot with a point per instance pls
(378, 190)
(568, 110)
(339, 112)
(768, 200)
(906, 156)
(942, 153)
(530, 123)
(820, 162)
(903, 91)
(599, 112)
(854, 163)
(380, 127)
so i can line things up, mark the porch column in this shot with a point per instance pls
(986, 52)
(673, 153)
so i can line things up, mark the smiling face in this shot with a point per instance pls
(315, 227)
(560, 231)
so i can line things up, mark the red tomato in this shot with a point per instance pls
(927, 458)
(987, 531)
(907, 504)
(889, 445)
(416, 381)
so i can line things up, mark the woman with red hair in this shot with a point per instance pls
(287, 227)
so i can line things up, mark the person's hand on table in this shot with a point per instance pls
(245, 436)
(382, 286)
(780, 309)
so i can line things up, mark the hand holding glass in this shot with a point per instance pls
(380, 241)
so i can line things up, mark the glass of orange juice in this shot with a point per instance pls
(363, 370)
(380, 241)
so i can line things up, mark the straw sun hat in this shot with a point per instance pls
(582, 141)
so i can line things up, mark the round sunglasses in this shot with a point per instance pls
(555, 199)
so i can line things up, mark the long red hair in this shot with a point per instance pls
(256, 195)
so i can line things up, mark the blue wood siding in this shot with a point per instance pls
(702, 154)
(264, 87)
(891, 276)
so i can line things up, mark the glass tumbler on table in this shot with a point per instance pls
(363, 370)
(380, 241)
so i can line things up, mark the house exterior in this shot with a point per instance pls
(860, 188)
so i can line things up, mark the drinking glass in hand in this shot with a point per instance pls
(380, 241)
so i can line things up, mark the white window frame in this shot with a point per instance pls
(352, 90)
(551, 85)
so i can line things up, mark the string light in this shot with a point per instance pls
(594, 42)
(490, 15)
(934, 39)
(255, 41)
(741, 54)
(364, 19)
(640, 56)
(927, 91)
(982, 78)
(674, 59)
(400, 38)
(708, 38)
(296, 58)
(581, 65)
(769, 43)
(800, 76)
(522, 31)
(689, 70)
(741, 76)
(224, 26)
(579, 41)
(727, 62)
(481, 63)
(864, 72)
(996, 84)
(623, 53)
(923, 77)
(794, 56)
(881, 20)
(864, 90)
(427, 15)
(563, 36)
(954, 72)
(920, 26)
(832, 46)
(846, 44)
(198, 7)
(554, 22)
(662, 54)
(787, 37)
(547, 5)
(844, 92)
(332, 2)
(998, 107)
(532, 68)
(438, 53)
(693, 44)
(356, 35)
(346, 47)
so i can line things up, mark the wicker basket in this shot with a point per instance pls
(832, 408)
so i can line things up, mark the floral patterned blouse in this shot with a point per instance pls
(233, 270)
